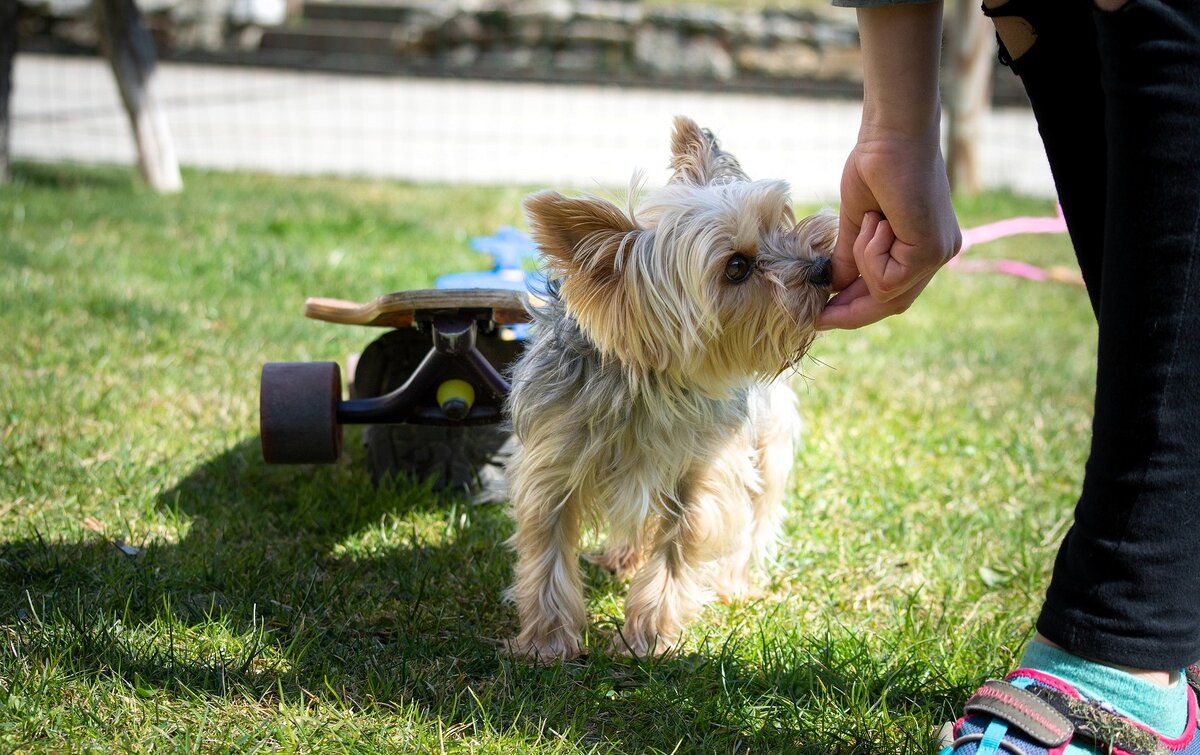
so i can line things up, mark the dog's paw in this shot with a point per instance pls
(618, 560)
(545, 651)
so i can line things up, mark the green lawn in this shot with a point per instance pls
(301, 609)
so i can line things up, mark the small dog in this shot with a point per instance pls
(647, 399)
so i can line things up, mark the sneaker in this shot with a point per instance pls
(1033, 713)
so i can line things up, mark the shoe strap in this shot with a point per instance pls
(1051, 718)
(1037, 718)
(1098, 724)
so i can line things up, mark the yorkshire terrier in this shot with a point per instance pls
(649, 399)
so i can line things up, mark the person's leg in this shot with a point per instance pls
(1126, 584)
(1123, 140)
(1126, 587)
(1052, 47)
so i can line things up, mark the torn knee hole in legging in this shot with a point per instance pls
(1016, 26)
(1019, 23)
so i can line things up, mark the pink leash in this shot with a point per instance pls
(1014, 227)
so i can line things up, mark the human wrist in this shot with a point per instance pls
(919, 140)
(901, 48)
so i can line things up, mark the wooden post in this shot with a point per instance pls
(130, 51)
(8, 51)
(971, 50)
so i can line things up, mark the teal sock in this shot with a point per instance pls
(1163, 709)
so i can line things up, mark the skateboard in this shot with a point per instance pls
(430, 390)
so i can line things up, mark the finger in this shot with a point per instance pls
(857, 310)
(841, 302)
(866, 232)
(845, 269)
(858, 287)
(863, 311)
(885, 274)
(848, 294)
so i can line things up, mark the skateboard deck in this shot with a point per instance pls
(399, 309)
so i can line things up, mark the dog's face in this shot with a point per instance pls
(710, 281)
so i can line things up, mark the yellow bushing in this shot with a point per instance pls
(456, 397)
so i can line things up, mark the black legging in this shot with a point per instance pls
(1117, 100)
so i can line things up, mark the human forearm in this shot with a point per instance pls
(901, 48)
(897, 225)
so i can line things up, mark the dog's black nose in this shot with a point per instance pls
(821, 272)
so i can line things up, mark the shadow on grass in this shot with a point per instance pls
(286, 583)
(53, 176)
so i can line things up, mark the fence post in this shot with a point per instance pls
(8, 51)
(971, 50)
(130, 51)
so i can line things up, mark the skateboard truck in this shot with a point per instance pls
(301, 412)
(453, 344)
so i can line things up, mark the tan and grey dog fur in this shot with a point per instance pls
(648, 401)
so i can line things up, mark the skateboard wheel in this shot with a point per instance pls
(456, 397)
(298, 412)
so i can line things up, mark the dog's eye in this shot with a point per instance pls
(738, 268)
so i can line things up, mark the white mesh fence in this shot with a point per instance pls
(456, 131)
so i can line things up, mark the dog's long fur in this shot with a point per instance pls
(647, 400)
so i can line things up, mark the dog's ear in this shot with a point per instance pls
(696, 158)
(579, 237)
(587, 244)
(820, 232)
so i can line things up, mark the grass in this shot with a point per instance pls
(163, 590)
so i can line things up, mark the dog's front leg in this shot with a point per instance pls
(700, 525)
(547, 589)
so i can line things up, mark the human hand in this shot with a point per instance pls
(896, 229)
(897, 226)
